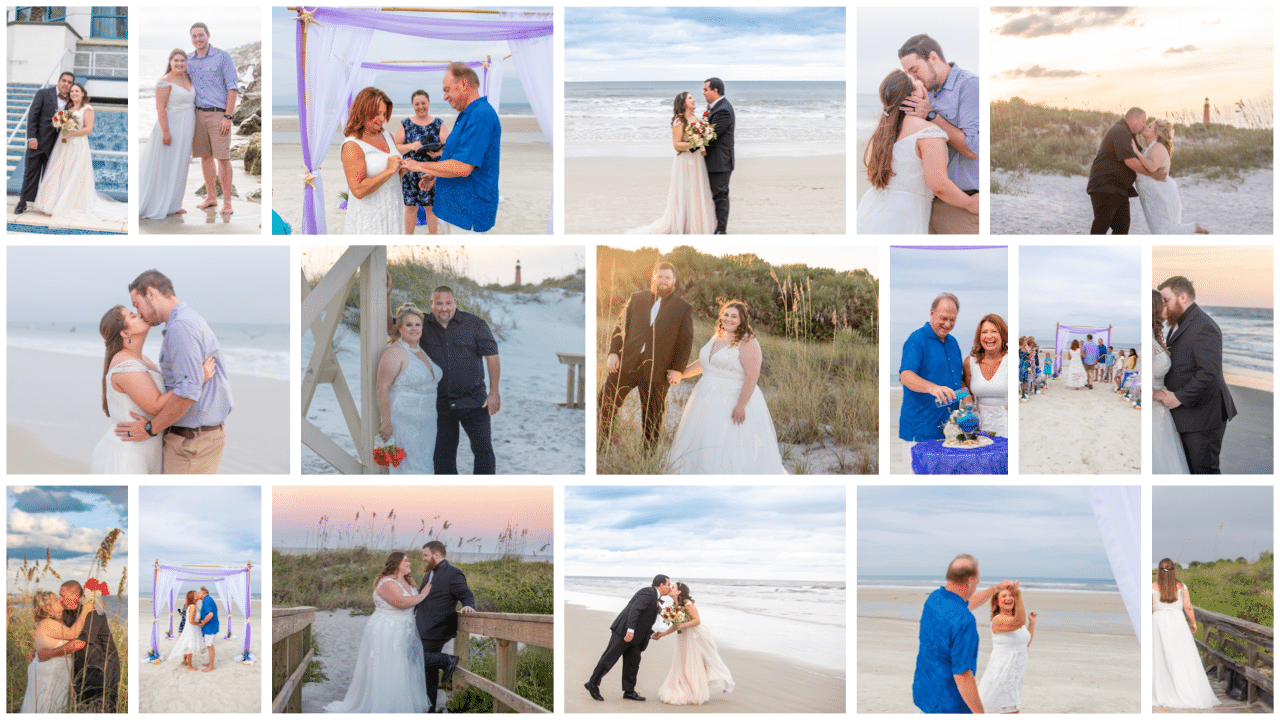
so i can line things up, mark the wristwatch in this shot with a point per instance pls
(932, 114)
(147, 427)
(227, 116)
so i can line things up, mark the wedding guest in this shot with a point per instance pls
(416, 132)
(931, 372)
(213, 74)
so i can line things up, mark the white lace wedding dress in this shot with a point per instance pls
(904, 205)
(690, 209)
(1074, 372)
(114, 456)
(413, 413)
(707, 441)
(1177, 674)
(1001, 686)
(67, 193)
(48, 682)
(1167, 455)
(696, 668)
(1161, 204)
(381, 212)
(992, 396)
(191, 639)
(164, 169)
(389, 675)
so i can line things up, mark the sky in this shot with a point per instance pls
(1185, 520)
(226, 284)
(469, 512)
(791, 533)
(979, 278)
(193, 525)
(843, 259)
(1232, 276)
(70, 521)
(1164, 60)
(228, 26)
(636, 44)
(483, 263)
(1066, 285)
(1014, 531)
(881, 31)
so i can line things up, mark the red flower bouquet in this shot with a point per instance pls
(673, 615)
(390, 454)
(701, 133)
(65, 121)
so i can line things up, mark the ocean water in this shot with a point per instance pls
(1248, 347)
(1055, 585)
(802, 621)
(869, 114)
(250, 349)
(773, 119)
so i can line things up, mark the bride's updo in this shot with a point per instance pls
(878, 157)
(677, 110)
(1157, 322)
(401, 312)
(392, 568)
(172, 54)
(111, 326)
(1164, 134)
(1167, 581)
(744, 326)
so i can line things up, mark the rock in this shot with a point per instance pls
(201, 192)
(251, 125)
(247, 108)
(255, 196)
(253, 155)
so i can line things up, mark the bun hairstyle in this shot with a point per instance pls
(1164, 134)
(878, 157)
(172, 54)
(401, 312)
(111, 325)
(677, 110)
(1167, 581)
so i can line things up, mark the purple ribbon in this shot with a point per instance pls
(437, 28)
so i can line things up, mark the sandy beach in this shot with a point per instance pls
(1079, 432)
(525, 181)
(770, 195)
(764, 683)
(1249, 445)
(1033, 204)
(247, 218)
(231, 688)
(1067, 671)
(43, 442)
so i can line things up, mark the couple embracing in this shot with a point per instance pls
(198, 629)
(74, 654)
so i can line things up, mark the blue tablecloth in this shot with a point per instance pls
(931, 458)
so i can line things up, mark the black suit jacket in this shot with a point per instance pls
(97, 663)
(666, 343)
(437, 615)
(639, 615)
(720, 151)
(1195, 376)
(40, 120)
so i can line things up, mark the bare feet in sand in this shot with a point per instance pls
(180, 211)
(207, 668)
(226, 209)
(207, 204)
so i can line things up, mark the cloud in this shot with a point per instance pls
(1040, 71)
(1040, 22)
(47, 500)
(1183, 49)
(32, 534)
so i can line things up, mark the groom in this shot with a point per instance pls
(41, 135)
(629, 637)
(96, 668)
(1196, 392)
(437, 615)
(719, 156)
(1112, 175)
(208, 623)
(213, 76)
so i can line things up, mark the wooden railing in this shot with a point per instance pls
(1254, 641)
(290, 656)
(507, 629)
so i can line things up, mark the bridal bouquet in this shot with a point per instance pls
(674, 616)
(389, 454)
(95, 590)
(65, 121)
(701, 133)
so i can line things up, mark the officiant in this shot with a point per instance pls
(931, 371)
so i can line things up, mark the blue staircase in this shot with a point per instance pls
(110, 132)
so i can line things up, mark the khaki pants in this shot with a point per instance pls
(950, 220)
(199, 455)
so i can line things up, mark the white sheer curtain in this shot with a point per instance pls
(1118, 512)
(534, 61)
(361, 79)
(492, 89)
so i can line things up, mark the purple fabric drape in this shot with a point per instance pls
(950, 247)
(416, 68)
(248, 612)
(437, 28)
(309, 226)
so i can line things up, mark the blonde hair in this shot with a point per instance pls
(39, 601)
(401, 312)
(1164, 134)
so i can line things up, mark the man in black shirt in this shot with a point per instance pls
(1112, 175)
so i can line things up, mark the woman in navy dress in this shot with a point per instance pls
(416, 133)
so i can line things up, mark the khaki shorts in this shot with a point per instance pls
(948, 219)
(208, 141)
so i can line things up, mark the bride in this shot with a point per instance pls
(389, 667)
(372, 167)
(49, 672)
(191, 640)
(690, 209)
(1177, 673)
(166, 158)
(726, 428)
(1167, 455)
(130, 382)
(406, 390)
(696, 665)
(67, 194)
(1012, 629)
(906, 160)
(1158, 193)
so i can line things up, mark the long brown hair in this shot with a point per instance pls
(744, 325)
(392, 568)
(980, 352)
(677, 110)
(685, 597)
(111, 326)
(1157, 322)
(995, 603)
(878, 157)
(169, 63)
(1167, 581)
(364, 108)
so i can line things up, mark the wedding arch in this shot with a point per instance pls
(331, 47)
(1117, 510)
(230, 583)
(1062, 339)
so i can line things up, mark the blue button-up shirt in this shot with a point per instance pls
(1090, 353)
(187, 342)
(957, 102)
(471, 202)
(213, 76)
(948, 647)
(937, 361)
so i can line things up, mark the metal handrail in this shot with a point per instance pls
(26, 112)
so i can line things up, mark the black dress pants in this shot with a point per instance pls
(630, 653)
(1202, 450)
(720, 196)
(1110, 210)
(473, 421)
(653, 400)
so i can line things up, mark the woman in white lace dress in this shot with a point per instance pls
(1177, 673)
(375, 201)
(1158, 193)
(166, 157)
(49, 672)
(1012, 629)
(1167, 454)
(130, 383)
(696, 667)
(1074, 373)
(986, 374)
(406, 385)
(67, 193)
(191, 639)
(726, 428)
(906, 160)
(690, 209)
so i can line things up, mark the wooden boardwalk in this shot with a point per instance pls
(1228, 705)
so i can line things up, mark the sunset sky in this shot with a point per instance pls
(484, 264)
(1164, 60)
(1236, 276)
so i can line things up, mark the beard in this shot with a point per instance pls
(659, 291)
(1173, 313)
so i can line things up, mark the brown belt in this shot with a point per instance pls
(190, 433)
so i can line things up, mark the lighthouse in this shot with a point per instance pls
(1206, 111)
(518, 272)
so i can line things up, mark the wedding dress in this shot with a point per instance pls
(1161, 204)
(381, 212)
(67, 193)
(707, 441)
(163, 173)
(992, 396)
(390, 675)
(1074, 373)
(1177, 673)
(1001, 685)
(413, 413)
(191, 639)
(690, 209)
(904, 205)
(1167, 455)
(696, 667)
(116, 456)
(48, 682)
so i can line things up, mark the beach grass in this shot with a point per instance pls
(535, 677)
